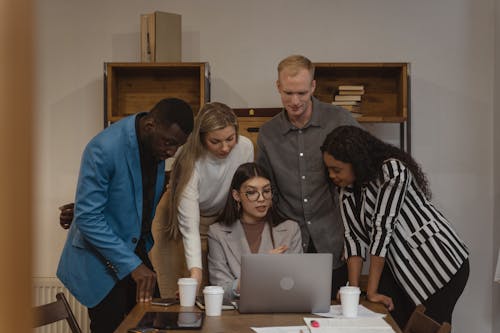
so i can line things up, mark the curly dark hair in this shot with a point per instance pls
(366, 154)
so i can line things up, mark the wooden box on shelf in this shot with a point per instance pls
(136, 87)
(385, 97)
(161, 37)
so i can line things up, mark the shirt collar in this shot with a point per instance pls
(346, 192)
(315, 120)
(145, 152)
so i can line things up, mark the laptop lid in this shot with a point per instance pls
(285, 282)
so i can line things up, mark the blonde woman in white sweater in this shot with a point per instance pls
(196, 194)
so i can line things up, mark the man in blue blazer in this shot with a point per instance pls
(105, 262)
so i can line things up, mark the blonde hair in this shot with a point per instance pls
(294, 63)
(212, 117)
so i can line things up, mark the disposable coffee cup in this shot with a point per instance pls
(213, 300)
(187, 291)
(349, 298)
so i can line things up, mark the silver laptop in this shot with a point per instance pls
(285, 283)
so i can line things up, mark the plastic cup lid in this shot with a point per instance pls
(189, 281)
(213, 290)
(350, 290)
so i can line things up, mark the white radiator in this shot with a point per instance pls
(44, 291)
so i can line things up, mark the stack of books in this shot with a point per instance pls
(349, 98)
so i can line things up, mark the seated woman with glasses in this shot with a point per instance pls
(248, 224)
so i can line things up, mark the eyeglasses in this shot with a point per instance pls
(254, 195)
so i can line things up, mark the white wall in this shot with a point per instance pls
(496, 166)
(449, 43)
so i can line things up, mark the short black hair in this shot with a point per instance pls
(171, 111)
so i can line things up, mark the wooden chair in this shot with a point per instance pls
(55, 311)
(420, 323)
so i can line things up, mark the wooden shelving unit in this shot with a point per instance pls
(386, 88)
(385, 99)
(134, 87)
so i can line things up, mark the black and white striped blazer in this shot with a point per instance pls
(396, 221)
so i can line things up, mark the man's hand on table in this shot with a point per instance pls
(146, 282)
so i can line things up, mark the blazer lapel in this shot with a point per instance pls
(160, 184)
(266, 243)
(237, 242)
(134, 164)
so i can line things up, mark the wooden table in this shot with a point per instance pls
(233, 321)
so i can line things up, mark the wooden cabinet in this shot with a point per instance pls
(135, 87)
(250, 120)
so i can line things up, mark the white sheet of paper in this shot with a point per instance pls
(281, 329)
(349, 325)
(363, 312)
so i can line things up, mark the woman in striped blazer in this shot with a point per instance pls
(415, 255)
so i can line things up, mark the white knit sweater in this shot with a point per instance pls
(205, 194)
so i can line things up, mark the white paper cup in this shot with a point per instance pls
(187, 291)
(213, 300)
(349, 298)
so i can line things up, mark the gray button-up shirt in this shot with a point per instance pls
(294, 161)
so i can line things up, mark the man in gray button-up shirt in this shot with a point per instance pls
(289, 148)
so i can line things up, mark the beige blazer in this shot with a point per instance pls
(226, 245)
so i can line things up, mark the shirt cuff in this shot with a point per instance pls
(235, 288)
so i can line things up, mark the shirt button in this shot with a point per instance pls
(134, 240)
(305, 200)
(300, 131)
(308, 222)
(301, 154)
(303, 177)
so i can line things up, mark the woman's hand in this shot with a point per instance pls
(379, 298)
(197, 273)
(279, 249)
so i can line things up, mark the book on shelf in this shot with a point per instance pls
(347, 98)
(352, 87)
(351, 106)
(351, 92)
(342, 103)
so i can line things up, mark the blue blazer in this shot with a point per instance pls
(99, 250)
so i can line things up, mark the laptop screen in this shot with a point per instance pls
(285, 283)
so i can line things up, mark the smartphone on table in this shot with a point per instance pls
(164, 301)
